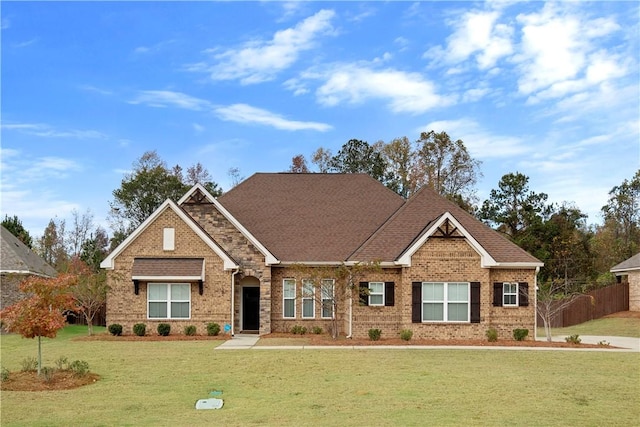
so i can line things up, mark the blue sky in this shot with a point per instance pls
(550, 90)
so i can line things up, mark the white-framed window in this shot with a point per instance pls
(289, 298)
(327, 291)
(308, 299)
(510, 294)
(169, 300)
(445, 302)
(376, 293)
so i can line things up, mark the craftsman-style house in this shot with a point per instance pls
(236, 259)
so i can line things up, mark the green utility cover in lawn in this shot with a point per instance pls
(212, 403)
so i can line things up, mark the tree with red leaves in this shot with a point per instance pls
(40, 314)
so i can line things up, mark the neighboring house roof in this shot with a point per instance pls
(17, 258)
(630, 264)
(229, 263)
(311, 217)
(352, 217)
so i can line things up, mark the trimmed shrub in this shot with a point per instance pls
(406, 334)
(316, 330)
(190, 330)
(4, 374)
(29, 364)
(115, 329)
(492, 335)
(80, 368)
(213, 329)
(140, 329)
(374, 334)
(520, 334)
(164, 329)
(573, 339)
(298, 330)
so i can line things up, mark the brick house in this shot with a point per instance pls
(628, 271)
(245, 260)
(17, 263)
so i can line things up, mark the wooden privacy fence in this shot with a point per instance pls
(605, 301)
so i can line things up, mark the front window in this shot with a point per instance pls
(327, 291)
(308, 299)
(510, 294)
(445, 302)
(289, 298)
(376, 293)
(169, 300)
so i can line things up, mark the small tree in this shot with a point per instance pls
(334, 286)
(40, 314)
(552, 300)
(89, 291)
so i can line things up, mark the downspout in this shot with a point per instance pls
(233, 295)
(535, 305)
(350, 316)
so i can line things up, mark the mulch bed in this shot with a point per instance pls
(59, 380)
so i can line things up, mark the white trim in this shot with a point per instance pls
(178, 278)
(109, 261)
(168, 301)
(33, 273)
(382, 294)
(517, 292)
(331, 299)
(269, 258)
(168, 239)
(623, 271)
(445, 302)
(288, 281)
(308, 297)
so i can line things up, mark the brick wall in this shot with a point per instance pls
(126, 308)
(634, 290)
(9, 291)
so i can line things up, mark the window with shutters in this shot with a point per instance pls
(510, 294)
(445, 302)
(289, 298)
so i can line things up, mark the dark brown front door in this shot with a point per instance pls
(250, 308)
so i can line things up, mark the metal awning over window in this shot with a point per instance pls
(168, 269)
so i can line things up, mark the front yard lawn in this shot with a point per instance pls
(156, 383)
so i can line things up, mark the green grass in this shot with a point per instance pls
(158, 383)
(608, 326)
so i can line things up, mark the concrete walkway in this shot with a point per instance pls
(623, 344)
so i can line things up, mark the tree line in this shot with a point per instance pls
(576, 254)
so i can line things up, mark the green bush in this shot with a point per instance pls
(164, 329)
(298, 330)
(62, 363)
(316, 330)
(374, 334)
(4, 374)
(140, 329)
(29, 364)
(115, 329)
(190, 330)
(47, 374)
(213, 329)
(520, 334)
(573, 339)
(406, 334)
(492, 335)
(80, 368)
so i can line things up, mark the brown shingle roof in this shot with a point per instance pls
(311, 217)
(414, 217)
(167, 267)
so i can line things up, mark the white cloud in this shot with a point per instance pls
(46, 131)
(165, 98)
(258, 60)
(244, 113)
(480, 143)
(357, 83)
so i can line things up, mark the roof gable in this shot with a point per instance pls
(109, 261)
(630, 264)
(17, 258)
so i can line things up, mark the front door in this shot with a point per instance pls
(250, 308)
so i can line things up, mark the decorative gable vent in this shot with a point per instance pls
(197, 198)
(446, 230)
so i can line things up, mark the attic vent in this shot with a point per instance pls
(197, 198)
(447, 229)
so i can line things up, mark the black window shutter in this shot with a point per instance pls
(475, 302)
(364, 293)
(416, 302)
(389, 294)
(523, 297)
(497, 294)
